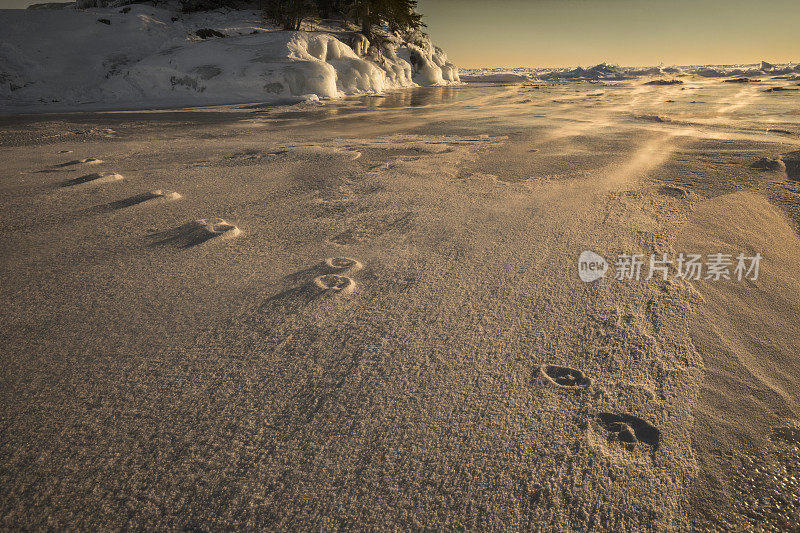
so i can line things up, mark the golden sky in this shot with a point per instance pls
(543, 33)
(550, 33)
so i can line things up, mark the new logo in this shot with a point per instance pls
(591, 266)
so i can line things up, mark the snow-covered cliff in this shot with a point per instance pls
(139, 55)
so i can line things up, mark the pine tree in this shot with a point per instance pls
(401, 15)
(397, 14)
(289, 13)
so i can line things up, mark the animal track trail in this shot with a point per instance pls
(565, 377)
(338, 283)
(629, 430)
(196, 232)
(326, 278)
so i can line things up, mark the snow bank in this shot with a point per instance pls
(271, 65)
(429, 64)
(142, 56)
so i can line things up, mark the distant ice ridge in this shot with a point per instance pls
(144, 56)
(604, 71)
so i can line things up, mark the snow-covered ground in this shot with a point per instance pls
(139, 55)
(604, 71)
(219, 362)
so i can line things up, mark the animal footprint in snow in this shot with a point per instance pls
(335, 284)
(147, 198)
(343, 265)
(630, 430)
(791, 162)
(197, 232)
(766, 164)
(93, 179)
(788, 434)
(564, 376)
(87, 161)
(675, 192)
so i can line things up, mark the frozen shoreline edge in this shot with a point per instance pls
(221, 108)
